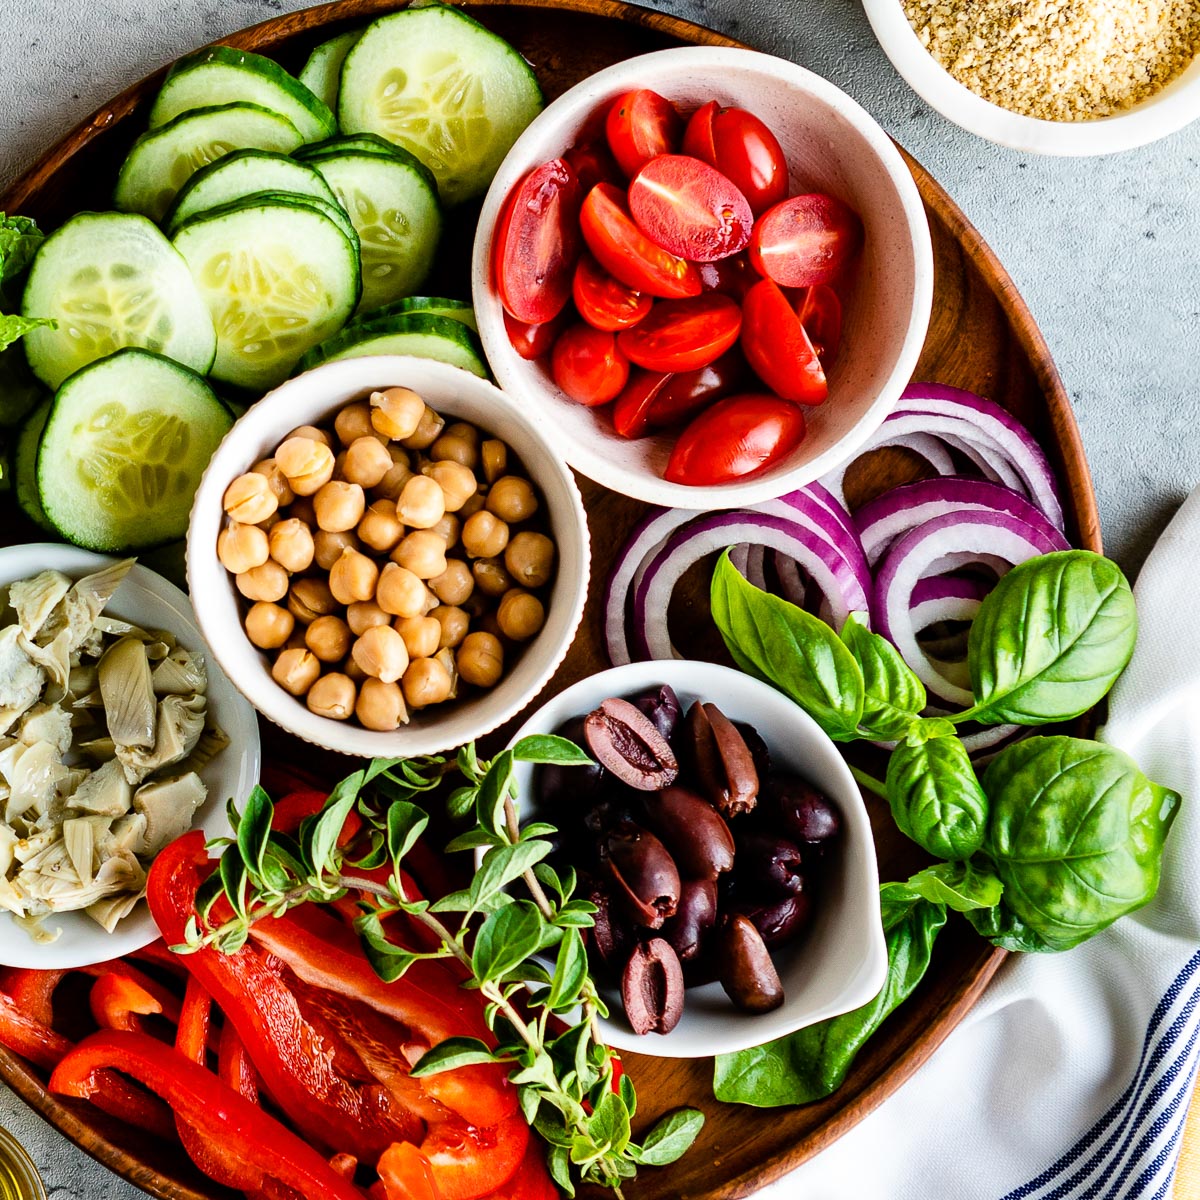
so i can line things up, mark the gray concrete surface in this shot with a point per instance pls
(1104, 251)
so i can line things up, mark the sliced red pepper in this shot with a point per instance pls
(158, 954)
(118, 1001)
(468, 1163)
(532, 1180)
(405, 1174)
(234, 1065)
(168, 1001)
(30, 1038)
(32, 991)
(191, 1036)
(237, 1131)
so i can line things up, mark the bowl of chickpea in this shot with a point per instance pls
(388, 557)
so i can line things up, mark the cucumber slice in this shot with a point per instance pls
(456, 310)
(163, 160)
(24, 466)
(328, 208)
(278, 278)
(240, 174)
(223, 75)
(368, 143)
(422, 335)
(394, 207)
(441, 85)
(124, 447)
(323, 71)
(112, 280)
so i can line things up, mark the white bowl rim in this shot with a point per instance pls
(1158, 115)
(638, 483)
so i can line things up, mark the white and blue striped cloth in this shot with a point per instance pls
(1071, 1078)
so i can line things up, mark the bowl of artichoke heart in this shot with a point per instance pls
(117, 735)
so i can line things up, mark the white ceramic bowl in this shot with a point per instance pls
(145, 599)
(314, 398)
(831, 145)
(1168, 110)
(841, 961)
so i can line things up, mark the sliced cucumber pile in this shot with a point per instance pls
(441, 85)
(112, 280)
(456, 310)
(422, 334)
(368, 143)
(24, 466)
(125, 444)
(322, 73)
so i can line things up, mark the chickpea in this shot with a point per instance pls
(512, 499)
(490, 577)
(365, 614)
(339, 463)
(270, 523)
(423, 553)
(448, 529)
(380, 529)
(472, 505)
(339, 506)
(328, 638)
(530, 559)
(268, 626)
(329, 547)
(454, 584)
(311, 431)
(381, 706)
(484, 535)
(296, 640)
(426, 432)
(381, 652)
(353, 577)
(446, 658)
(480, 659)
(460, 444)
(401, 593)
(296, 670)
(277, 479)
(291, 543)
(249, 498)
(421, 503)
(354, 422)
(308, 464)
(422, 635)
(495, 459)
(426, 682)
(397, 412)
(333, 695)
(392, 484)
(242, 547)
(310, 599)
(267, 581)
(302, 510)
(367, 461)
(454, 624)
(354, 672)
(520, 615)
(458, 483)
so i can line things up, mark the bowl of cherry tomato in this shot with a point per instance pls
(714, 290)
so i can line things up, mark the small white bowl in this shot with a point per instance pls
(831, 145)
(314, 398)
(146, 599)
(841, 961)
(1166, 111)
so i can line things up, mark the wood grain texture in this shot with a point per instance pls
(981, 337)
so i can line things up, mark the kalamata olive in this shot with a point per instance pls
(745, 968)
(805, 814)
(564, 789)
(694, 919)
(693, 831)
(614, 803)
(625, 741)
(722, 762)
(777, 921)
(757, 747)
(644, 876)
(661, 705)
(652, 988)
(768, 865)
(609, 937)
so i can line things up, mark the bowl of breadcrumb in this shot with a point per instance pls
(1065, 77)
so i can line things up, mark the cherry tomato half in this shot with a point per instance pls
(749, 153)
(625, 252)
(532, 341)
(778, 348)
(593, 163)
(690, 208)
(631, 413)
(820, 312)
(588, 366)
(606, 302)
(806, 240)
(537, 243)
(698, 135)
(640, 125)
(733, 275)
(688, 392)
(736, 437)
(682, 335)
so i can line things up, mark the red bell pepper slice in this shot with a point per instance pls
(32, 991)
(237, 1131)
(234, 1065)
(191, 1036)
(118, 1001)
(405, 1174)
(532, 1180)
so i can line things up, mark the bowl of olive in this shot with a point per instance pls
(727, 849)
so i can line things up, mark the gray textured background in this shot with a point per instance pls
(1103, 250)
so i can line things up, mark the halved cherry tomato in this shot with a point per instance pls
(689, 392)
(640, 125)
(690, 208)
(806, 240)
(606, 302)
(733, 275)
(625, 252)
(681, 335)
(532, 341)
(593, 163)
(537, 243)
(747, 152)
(778, 348)
(734, 438)
(631, 413)
(820, 312)
(698, 136)
(588, 366)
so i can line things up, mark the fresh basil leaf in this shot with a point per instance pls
(493, 791)
(19, 242)
(506, 939)
(13, 328)
(812, 1063)
(790, 649)
(963, 886)
(1050, 639)
(451, 1053)
(254, 830)
(671, 1137)
(550, 748)
(1004, 929)
(892, 694)
(502, 864)
(934, 796)
(1076, 835)
(405, 823)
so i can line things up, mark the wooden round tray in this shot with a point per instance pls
(981, 337)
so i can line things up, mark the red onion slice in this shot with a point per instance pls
(923, 445)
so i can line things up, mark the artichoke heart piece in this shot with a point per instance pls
(111, 909)
(181, 673)
(21, 681)
(126, 835)
(46, 723)
(33, 774)
(169, 805)
(35, 599)
(80, 836)
(104, 793)
(178, 729)
(128, 693)
(77, 612)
